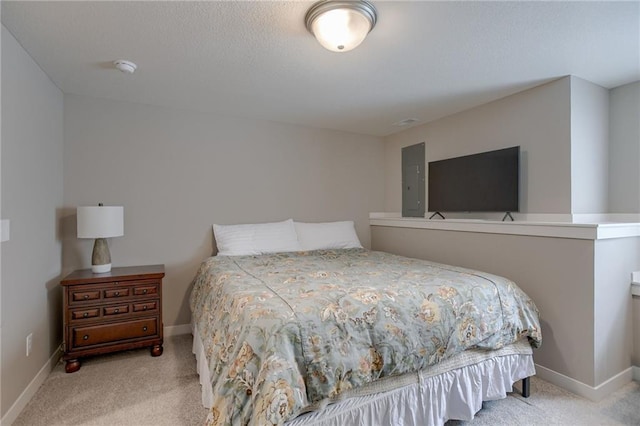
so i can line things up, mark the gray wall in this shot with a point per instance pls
(539, 120)
(624, 149)
(635, 358)
(32, 161)
(580, 146)
(177, 172)
(615, 259)
(1, 232)
(557, 273)
(589, 147)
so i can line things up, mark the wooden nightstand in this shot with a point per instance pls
(115, 311)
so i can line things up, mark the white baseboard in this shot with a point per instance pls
(176, 330)
(596, 393)
(14, 411)
(636, 373)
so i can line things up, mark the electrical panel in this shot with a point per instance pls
(413, 181)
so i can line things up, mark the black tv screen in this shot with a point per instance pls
(485, 182)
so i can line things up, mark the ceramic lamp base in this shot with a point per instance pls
(101, 258)
(101, 269)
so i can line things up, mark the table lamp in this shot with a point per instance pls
(100, 222)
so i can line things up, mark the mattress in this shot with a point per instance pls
(286, 333)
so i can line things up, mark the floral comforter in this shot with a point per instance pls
(284, 331)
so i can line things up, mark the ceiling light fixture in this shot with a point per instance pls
(125, 66)
(341, 26)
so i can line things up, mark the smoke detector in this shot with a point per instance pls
(405, 122)
(125, 66)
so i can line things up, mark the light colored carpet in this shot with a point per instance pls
(125, 388)
(133, 388)
(551, 405)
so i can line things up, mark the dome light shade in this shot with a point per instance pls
(341, 26)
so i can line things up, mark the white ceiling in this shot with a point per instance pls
(423, 60)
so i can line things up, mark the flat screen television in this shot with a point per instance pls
(485, 182)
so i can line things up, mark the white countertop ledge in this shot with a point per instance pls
(554, 229)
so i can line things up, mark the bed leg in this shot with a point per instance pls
(525, 387)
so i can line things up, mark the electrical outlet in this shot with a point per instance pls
(29, 343)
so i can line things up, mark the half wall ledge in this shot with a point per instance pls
(600, 227)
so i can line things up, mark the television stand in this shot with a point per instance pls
(508, 215)
(437, 214)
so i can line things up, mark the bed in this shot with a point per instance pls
(353, 336)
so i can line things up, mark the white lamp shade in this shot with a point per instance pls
(341, 30)
(100, 221)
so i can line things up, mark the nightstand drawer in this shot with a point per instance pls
(145, 306)
(84, 295)
(95, 335)
(85, 313)
(116, 310)
(145, 290)
(120, 292)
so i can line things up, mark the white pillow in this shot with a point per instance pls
(327, 235)
(252, 239)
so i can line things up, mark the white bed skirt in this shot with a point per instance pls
(452, 390)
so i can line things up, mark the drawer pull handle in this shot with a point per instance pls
(116, 310)
(86, 314)
(144, 307)
(144, 328)
(117, 293)
(86, 296)
(144, 291)
(85, 337)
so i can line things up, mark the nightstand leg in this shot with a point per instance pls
(156, 350)
(72, 366)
